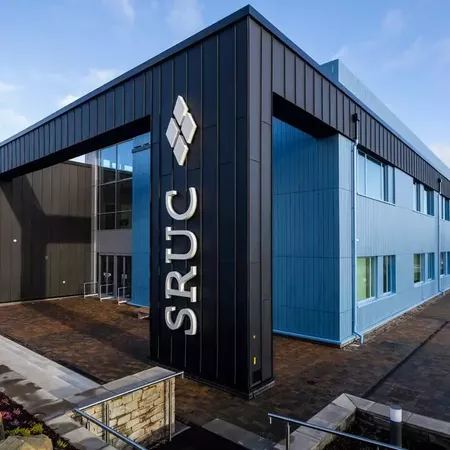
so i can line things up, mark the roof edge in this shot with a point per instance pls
(188, 42)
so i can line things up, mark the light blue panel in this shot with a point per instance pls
(384, 229)
(305, 234)
(339, 72)
(141, 229)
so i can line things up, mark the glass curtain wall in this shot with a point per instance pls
(115, 172)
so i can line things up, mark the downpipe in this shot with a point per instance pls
(354, 232)
(439, 214)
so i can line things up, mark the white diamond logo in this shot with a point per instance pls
(172, 132)
(179, 138)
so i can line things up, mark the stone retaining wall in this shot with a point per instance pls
(143, 416)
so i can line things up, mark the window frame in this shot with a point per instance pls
(387, 179)
(431, 267)
(390, 259)
(373, 271)
(422, 268)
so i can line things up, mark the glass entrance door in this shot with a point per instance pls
(123, 277)
(106, 276)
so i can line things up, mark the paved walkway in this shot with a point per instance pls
(408, 363)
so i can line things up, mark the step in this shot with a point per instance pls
(57, 379)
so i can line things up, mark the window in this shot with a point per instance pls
(366, 278)
(418, 267)
(375, 179)
(428, 200)
(423, 199)
(430, 266)
(448, 263)
(416, 196)
(446, 209)
(114, 191)
(442, 264)
(388, 274)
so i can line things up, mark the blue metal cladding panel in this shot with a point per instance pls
(141, 229)
(385, 229)
(305, 234)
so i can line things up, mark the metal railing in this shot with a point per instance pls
(107, 296)
(354, 437)
(122, 298)
(88, 283)
(108, 429)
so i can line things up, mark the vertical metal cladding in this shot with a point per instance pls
(312, 92)
(212, 78)
(45, 233)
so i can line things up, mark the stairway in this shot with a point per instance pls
(49, 375)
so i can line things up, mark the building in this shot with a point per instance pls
(225, 172)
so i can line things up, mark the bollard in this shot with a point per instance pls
(395, 414)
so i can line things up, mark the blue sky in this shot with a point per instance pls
(53, 51)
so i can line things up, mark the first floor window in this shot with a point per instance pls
(388, 274)
(428, 202)
(366, 278)
(430, 266)
(418, 267)
(375, 179)
(416, 196)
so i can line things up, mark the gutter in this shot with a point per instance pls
(355, 119)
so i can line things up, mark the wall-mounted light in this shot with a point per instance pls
(64, 281)
(14, 240)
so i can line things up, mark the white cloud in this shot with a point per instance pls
(393, 23)
(98, 77)
(442, 151)
(11, 123)
(7, 87)
(185, 17)
(342, 52)
(124, 7)
(67, 100)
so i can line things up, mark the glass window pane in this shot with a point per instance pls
(125, 160)
(448, 263)
(374, 179)
(106, 221)
(391, 184)
(366, 278)
(123, 220)
(107, 165)
(386, 283)
(447, 209)
(107, 201)
(124, 195)
(361, 173)
(425, 201)
(442, 264)
(431, 266)
(417, 268)
(415, 196)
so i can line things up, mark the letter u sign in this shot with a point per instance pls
(180, 132)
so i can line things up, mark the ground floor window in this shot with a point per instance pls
(366, 278)
(418, 267)
(430, 266)
(388, 274)
(443, 264)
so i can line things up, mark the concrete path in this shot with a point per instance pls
(49, 375)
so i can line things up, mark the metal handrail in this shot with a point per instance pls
(84, 289)
(108, 429)
(288, 421)
(107, 296)
(119, 299)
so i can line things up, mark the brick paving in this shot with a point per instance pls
(109, 342)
